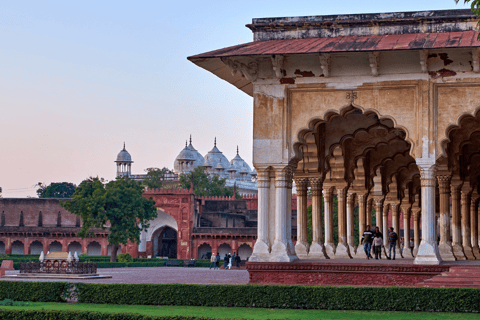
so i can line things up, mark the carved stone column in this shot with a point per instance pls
(416, 230)
(328, 204)
(466, 239)
(261, 250)
(445, 245)
(428, 250)
(457, 247)
(279, 251)
(362, 206)
(396, 227)
(406, 252)
(290, 245)
(351, 223)
(317, 250)
(301, 248)
(342, 251)
(368, 213)
(383, 226)
(473, 225)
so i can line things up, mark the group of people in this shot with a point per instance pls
(375, 239)
(228, 260)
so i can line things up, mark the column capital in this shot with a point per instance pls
(327, 192)
(444, 183)
(316, 184)
(263, 178)
(378, 200)
(427, 174)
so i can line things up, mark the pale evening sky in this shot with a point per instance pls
(77, 79)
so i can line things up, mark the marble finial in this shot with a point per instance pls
(42, 257)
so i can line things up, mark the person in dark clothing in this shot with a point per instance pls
(238, 260)
(217, 261)
(377, 244)
(367, 239)
(392, 240)
(225, 261)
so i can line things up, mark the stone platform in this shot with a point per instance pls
(342, 273)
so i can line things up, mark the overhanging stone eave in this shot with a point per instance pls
(218, 68)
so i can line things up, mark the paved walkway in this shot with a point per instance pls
(159, 275)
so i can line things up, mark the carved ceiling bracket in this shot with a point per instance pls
(277, 62)
(325, 64)
(248, 70)
(374, 59)
(475, 58)
(423, 60)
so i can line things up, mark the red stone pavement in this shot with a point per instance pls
(160, 275)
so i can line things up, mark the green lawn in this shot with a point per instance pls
(246, 313)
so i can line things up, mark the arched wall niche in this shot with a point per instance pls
(162, 220)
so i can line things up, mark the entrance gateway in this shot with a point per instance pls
(379, 110)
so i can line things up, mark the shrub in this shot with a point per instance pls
(10, 302)
(124, 257)
(10, 314)
(34, 291)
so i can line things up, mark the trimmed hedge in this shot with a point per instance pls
(289, 297)
(12, 314)
(34, 291)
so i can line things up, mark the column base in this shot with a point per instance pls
(398, 252)
(415, 251)
(280, 253)
(301, 249)
(446, 252)
(407, 253)
(342, 252)
(330, 250)
(476, 252)
(260, 252)
(352, 250)
(317, 251)
(291, 248)
(360, 253)
(428, 254)
(458, 252)
(468, 253)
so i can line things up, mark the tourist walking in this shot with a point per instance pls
(229, 266)
(377, 245)
(367, 239)
(392, 240)
(412, 245)
(217, 261)
(238, 260)
(212, 262)
(225, 261)
(378, 234)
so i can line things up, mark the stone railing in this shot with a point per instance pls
(58, 267)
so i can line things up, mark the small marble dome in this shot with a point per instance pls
(124, 156)
(239, 164)
(215, 157)
(188, 154)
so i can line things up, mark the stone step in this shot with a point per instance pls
(452, 285)
(474, 270)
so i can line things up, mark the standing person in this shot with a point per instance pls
(238, 260)
(217, 261)
(367, 239)
(392, 240)
(378, 234)
(377, 245)
(229, 266)
(225, 261)
(412, 245)
(212, 262)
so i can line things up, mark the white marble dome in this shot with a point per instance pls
(199, 159)
(239, 164)
(216, 159)
(124, 156)
(188, 154)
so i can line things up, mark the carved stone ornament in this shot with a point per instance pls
(249, 70)
(444, 184)
(351, 96)
(277, 62)
(427, 176)
(378, 201)
(374, 59)
(316, 184)
(325, 64)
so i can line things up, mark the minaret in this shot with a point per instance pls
(124, 163)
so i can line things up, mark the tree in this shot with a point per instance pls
(119, 203)
(475, 7)
(155, 178)
(56, 190)
(205, 185)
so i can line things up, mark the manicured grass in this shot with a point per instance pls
(245, 313)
